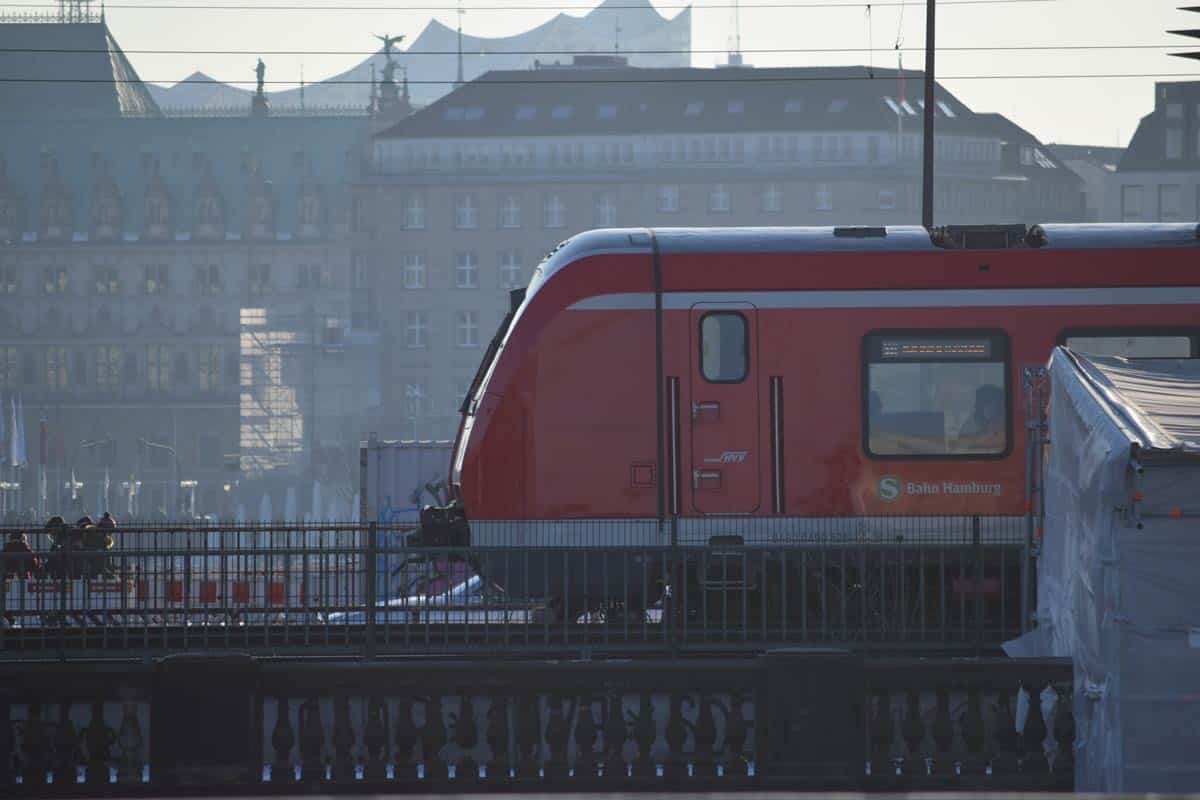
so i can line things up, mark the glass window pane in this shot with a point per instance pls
(931, 396)
(1133, 346)
(723, 347)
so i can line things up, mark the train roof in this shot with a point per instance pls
(896, 238)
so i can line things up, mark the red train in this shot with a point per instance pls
(801, 371)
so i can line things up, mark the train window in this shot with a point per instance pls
(1134, 342)
(724, 347)
(936, 394)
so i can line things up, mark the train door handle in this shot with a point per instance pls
(700, 476)
(700, 408)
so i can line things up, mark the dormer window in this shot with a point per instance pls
(736, 106)
(562, 112)
(694, 107)
(838, 105)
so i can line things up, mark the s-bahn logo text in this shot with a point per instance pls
(729, 457)
(891, 488)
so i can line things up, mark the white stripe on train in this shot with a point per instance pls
(902, 298)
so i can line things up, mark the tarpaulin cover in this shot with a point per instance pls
(1119, 572)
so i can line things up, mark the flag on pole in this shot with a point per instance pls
(22, 460)
(3, 434)
(13, 435)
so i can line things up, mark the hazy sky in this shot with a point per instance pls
(1102, 111)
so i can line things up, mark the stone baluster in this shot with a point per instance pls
(645, 733)
(66, 747)
(615, 733)
(882, 732)
(586, 735)
(312, 742)
(36, 746)
(737, 732)
(433, 739)
(1064, 733)
(466, 737)
(375, 739)
(404, 733)
(705, 734)
(496, 735)
(1033, 737)
(343, 740)
(912, 730)
(130, 744)
(974, 733)
(943, 735)
(99, 739)
(1005, 759)
(675, 736)
(558, 732)
(529, 735)
(282, 740)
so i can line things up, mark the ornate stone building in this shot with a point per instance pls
(179, 298)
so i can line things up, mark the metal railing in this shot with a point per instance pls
(935, 584)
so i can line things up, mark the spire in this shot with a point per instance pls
(404, 92)
(459, 81)
(371, 104)
(101, 12)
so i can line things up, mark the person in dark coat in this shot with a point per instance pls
(19, 561)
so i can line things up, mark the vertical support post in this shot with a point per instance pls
(371, 589)
(927, 170)
(977, 584)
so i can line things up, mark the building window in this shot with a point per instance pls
(362, 274)
(108, 366)
(606, 210)
(415, 399)
(510, 269)
(936, 394)
(78, 368)
(158, 367)
(208, 368)
(668, 199)
(823, 197)
(466, 212)
(155, 279)
(466, 329)
(259, 279)
(510, 212)
(1168, 203)
(1027, 155)
(412, 270)
(887, 200)
(1175, 111)
(56, 367)
(8, 366)
(314, 276)
(416, 329)
(208, 280)
(772, 199)
(1131, 203)
(554, 212)
(107, 281)
(54, 280)
(724, 347)
(1134, 343)
(414, 212)
(719, 201)
(1174, 143)
(466, 270)
(8, 280)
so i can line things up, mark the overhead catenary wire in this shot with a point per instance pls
(790, 4)
(690, 51)
(716, 78)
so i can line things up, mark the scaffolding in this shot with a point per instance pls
(302, 373)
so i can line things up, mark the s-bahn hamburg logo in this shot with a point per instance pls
(889, 488)
(728, 457)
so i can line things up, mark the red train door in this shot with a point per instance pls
(724, 408)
